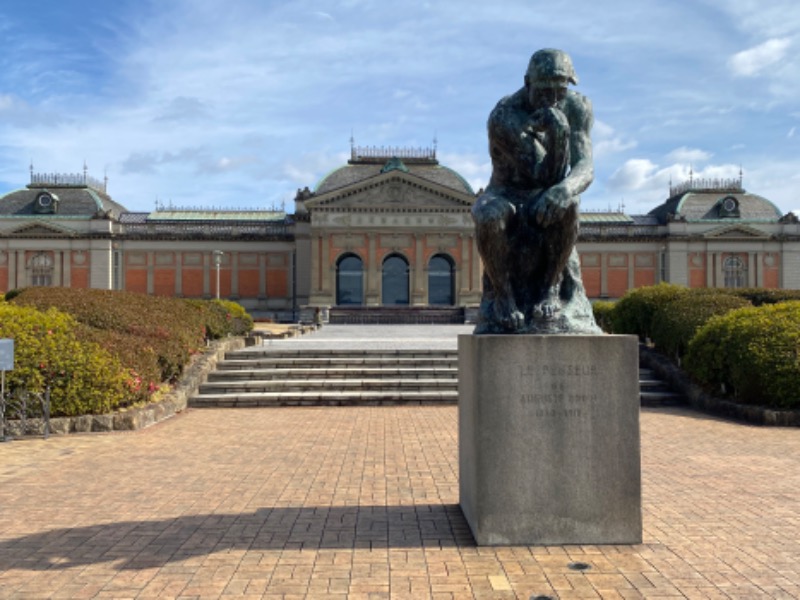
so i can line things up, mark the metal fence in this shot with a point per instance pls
(24, 413)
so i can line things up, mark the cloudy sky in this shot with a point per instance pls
(237, 104)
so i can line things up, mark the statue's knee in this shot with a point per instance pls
(491, 213)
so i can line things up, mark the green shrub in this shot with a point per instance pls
(634, 312)
(603, 312)
(240, 322)
(676, 320)
(166, 325)
(223, 318)
(11, 294)
(83, 378)
(762, 296)
(752, 354)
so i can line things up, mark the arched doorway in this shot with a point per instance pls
(441, 280)
(394, 288)
(41, 270)
(735, 272)
(349, 280)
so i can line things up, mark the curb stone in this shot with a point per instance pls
(174, 401)
(701, 400)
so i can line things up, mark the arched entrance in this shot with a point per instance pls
(394, 283)
(441, 280)
(350, 280)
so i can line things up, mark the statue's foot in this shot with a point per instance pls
(546, 310)
(514, 321)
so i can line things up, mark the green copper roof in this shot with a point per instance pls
(394, 164)
(216, 215)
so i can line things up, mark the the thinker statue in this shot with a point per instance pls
(527, 219)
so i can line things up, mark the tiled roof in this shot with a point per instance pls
(216, 215)
(703, 206)
(605, 217)
(353, 173)
(78, 201)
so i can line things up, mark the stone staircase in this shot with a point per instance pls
(310, 377)
(655, 392)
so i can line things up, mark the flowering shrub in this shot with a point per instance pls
(165, 328)
(752, 354)
(83, 377)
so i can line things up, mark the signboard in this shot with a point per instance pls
(6, 355)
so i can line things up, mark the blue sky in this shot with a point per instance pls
(237, 104)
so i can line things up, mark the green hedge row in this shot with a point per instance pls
(751, 354)
(748, 352)
(48, 352)
(152, 337)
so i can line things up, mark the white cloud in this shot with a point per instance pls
(791, 132)
(689, 155)
(635, 174)
(476, 170)
(754, 60)
(644, 184)
(606, 141)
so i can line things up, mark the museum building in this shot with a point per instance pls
(387, 236)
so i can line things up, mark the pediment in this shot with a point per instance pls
(394, 191)
(737, 232)
(39, 230)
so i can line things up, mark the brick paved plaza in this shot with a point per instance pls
(361, 502)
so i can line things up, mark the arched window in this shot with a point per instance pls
(735, 272)
(395, 280)
(41, 270)
(350, 280)
(441, 288)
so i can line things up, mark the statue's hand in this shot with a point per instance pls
(552, 205)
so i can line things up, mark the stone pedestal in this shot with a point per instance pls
(549, 439)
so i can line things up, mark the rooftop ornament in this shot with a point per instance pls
(731, 185)
(68, 180)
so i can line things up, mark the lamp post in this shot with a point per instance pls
(217, 262)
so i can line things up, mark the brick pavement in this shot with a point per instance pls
(362, 503)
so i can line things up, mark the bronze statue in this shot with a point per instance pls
(527, 219)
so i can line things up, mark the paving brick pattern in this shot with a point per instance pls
(361, 502)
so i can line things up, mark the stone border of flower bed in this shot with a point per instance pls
(129, 419)
(700, 400)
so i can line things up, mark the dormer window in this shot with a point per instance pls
(46, 204)
(729, 208)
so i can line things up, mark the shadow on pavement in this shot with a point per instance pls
(147, 544)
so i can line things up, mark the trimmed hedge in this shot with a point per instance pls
(634, 313)
(762, 296)
(158, 325)
(676, 321)
(603, 314)
(752, 354)
(83, 377)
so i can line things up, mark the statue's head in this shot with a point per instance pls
(549, 74)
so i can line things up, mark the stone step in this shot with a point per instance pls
(344, 385)
(338, 373)
(270, 352)
(325, 398)
(321, 362)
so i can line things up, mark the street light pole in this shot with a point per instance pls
(217, 262)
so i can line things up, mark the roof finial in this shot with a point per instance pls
(31, 170)
(352, 145)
